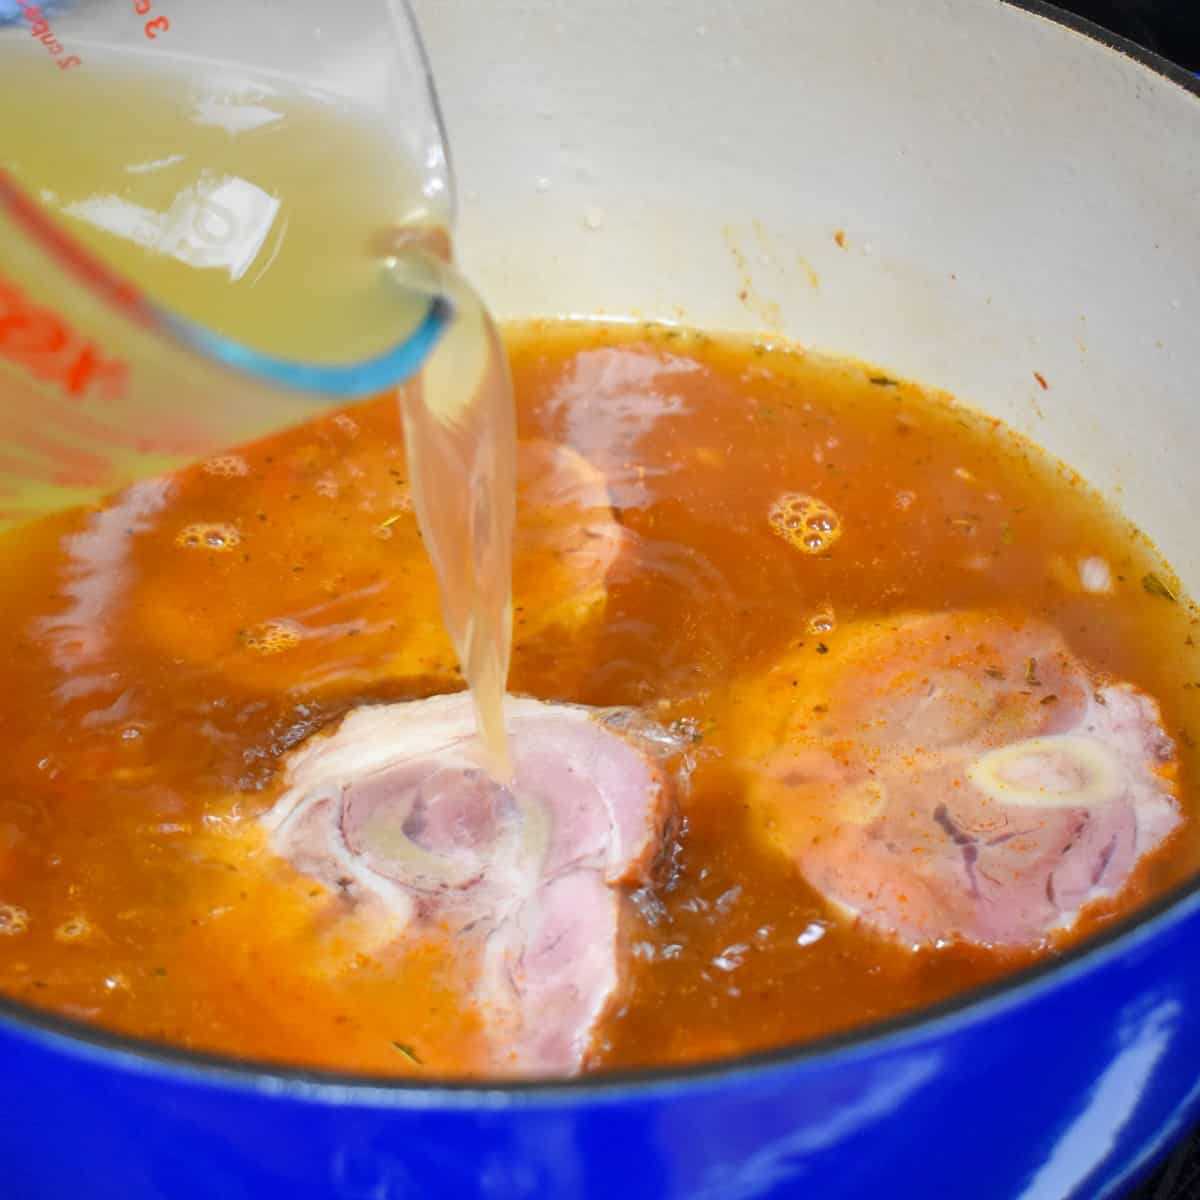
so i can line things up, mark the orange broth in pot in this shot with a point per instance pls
(164, 653)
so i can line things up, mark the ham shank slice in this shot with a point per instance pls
(958, 776)
(394, 812)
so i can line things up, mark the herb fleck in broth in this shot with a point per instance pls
(154, 682)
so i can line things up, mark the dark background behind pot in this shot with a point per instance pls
(1168, 27)
(1178, 1178)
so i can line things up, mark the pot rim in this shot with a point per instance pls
(896, 1035)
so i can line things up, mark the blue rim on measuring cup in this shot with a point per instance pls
(350, 381)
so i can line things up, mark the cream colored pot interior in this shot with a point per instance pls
(1014, 197)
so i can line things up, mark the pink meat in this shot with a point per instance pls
(989, 792)
(394, 812)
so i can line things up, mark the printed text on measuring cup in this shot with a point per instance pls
(41, 28)
(42, 343)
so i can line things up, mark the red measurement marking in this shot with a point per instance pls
(41, 342)
(155, 25)
(41, 29)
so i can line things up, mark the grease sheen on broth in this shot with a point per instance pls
(164, 653)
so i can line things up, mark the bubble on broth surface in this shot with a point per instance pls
(13, 919)
(74, 929)
(812, 933)
(206, 535)
(805, 522)
(271, 637)
(227, 466)
(1090, 574)
(1095, 575)
(824, 621)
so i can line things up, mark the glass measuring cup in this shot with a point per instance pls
(169, 284)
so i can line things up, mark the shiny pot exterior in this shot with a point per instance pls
(1014, 196)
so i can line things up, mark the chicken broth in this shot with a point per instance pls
(732, 546)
